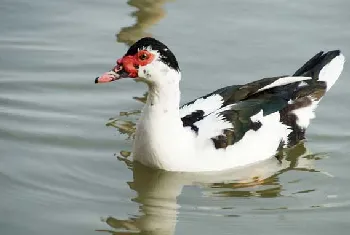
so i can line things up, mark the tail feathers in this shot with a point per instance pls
(332, 70)
(325, 67)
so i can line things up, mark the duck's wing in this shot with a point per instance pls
(200, 108)
(226, 115)
(229, 124)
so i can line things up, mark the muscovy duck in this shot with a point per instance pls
(231, 127)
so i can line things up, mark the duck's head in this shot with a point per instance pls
(148, 59)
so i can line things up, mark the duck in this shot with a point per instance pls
(232, 127)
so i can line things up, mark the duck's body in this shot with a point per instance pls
(231, 127)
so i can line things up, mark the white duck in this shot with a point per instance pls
(231, 127)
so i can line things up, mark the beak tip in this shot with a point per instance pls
(96, 80)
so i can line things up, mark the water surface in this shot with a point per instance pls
(62, 170)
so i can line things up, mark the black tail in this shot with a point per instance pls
(318, 63)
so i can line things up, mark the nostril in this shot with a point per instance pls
(118, 67)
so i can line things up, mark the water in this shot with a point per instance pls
(62, 170)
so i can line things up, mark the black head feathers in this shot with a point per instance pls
(166, 56)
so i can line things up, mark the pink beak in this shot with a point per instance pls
(109, 76)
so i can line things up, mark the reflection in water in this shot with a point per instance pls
(127, 126)
(148, 13)
(157, 191)
(296, 159)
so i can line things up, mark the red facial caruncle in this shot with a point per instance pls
(131, 63)
(127, 66)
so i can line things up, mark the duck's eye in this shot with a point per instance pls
(143, 56)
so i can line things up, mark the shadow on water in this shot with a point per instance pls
(157, 190)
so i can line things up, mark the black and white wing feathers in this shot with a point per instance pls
(227, 114)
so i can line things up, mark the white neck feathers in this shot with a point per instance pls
(164, 92)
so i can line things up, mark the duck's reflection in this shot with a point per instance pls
(148, 13)
(157, 190)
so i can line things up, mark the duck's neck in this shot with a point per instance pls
(160, 123)
(164, 99)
